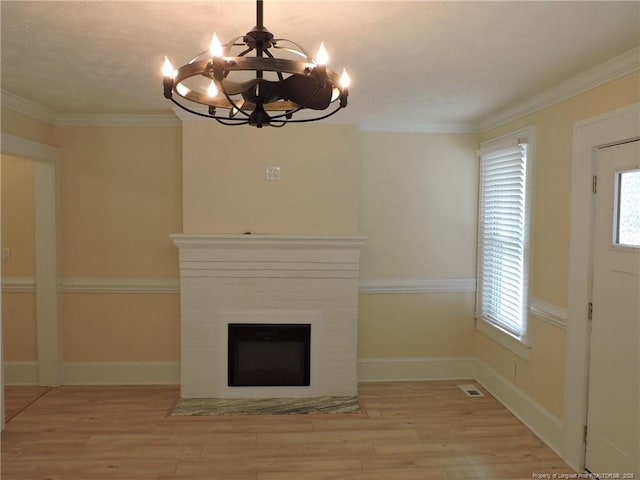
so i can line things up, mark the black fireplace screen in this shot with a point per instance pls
(274, 355)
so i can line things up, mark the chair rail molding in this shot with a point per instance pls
(119, 285)
(18, 284)
(548, 312)
(423, 285)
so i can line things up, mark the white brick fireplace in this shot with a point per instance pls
(269, 279)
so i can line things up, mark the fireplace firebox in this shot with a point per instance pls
(269, 355)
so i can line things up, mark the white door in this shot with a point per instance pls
(613, 438)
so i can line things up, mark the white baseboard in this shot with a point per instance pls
(120, 373)
(97, 373)
(20, 373)
(539, 420)
(128, 373)
(422, 368)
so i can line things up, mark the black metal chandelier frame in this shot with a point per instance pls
(301, 84)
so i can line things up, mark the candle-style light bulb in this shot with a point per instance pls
(212, 91)
(345, 81)
(167, 68)
(322, 57)
(215, 47)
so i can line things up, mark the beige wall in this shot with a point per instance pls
(415, 325)
(119, 200)
(18, 234)
(116, 327)
(226, 191)
(19, 326)
(18, 215)
(543, 376)
(418, 207)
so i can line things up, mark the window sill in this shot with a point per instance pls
(520, 347)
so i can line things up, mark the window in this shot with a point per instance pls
(503, 235)
(627, 218)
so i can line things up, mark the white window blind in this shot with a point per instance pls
(503, 239)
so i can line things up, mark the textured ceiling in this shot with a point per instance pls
(411, 62)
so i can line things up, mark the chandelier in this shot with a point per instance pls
(278, 81)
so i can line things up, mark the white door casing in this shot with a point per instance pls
(613, 420)
(2, 425)
(46, 275)
(609, 128)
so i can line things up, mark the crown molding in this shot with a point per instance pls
(403, 127)
(117, 120)
(27, 107)
(23, 147)
(600, 74)
(40, 112)
(185, 116)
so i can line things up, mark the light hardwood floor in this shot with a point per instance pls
(412, 431)
(19, 397)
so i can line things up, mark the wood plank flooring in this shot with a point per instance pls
(412, 431)
(19, 397)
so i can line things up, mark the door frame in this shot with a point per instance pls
(607, 129)
(44, 159)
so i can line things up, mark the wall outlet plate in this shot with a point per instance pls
(273, 172)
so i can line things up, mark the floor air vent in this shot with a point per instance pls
(471, 390)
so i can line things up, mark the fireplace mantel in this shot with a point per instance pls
(197, 240)
(268, 279)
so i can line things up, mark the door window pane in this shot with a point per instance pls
(628, 224)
